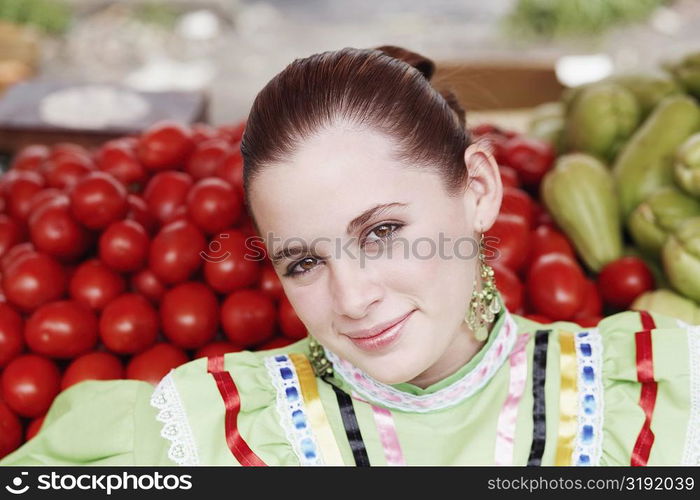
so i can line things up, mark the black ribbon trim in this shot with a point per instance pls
(352, 428)
(539, 423)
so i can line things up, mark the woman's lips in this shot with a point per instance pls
(382, 339)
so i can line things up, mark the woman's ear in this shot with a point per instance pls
(484, 186)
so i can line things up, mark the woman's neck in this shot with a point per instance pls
(463, 348)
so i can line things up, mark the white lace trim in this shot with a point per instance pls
(691, 452)
(176, 427)
(589, 436)
(386, 395)
(291, 409)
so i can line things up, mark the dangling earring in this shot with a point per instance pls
(484, 304)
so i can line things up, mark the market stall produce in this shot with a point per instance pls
(642, 131)
(126, 261)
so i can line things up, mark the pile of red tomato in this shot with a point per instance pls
(537, 270)
(125, 262)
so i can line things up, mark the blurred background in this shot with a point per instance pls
(231, 48)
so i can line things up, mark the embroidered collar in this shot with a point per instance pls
(363, 385)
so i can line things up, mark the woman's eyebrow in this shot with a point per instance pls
(362, 219)
(354, 224)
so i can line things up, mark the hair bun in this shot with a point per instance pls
(421, 63)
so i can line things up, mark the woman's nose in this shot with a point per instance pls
(354, 288)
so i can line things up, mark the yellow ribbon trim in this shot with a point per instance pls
(568, 399)
(314, 408)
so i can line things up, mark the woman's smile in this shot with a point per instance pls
(380, 336)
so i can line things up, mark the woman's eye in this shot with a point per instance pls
(383, 232)
(303, 266)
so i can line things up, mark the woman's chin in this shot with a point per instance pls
(398, 370)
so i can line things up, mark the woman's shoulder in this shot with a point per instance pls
(625, 322)
(231, 400)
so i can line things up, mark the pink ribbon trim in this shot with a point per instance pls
(505, 435)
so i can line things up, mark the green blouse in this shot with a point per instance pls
(624, 393)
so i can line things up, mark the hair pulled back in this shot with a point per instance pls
(387, 89)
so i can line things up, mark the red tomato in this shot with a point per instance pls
(44, 197)
(147, 284)
(189, 314)
(30, 157)
(54, 230)
(154, 363)
(67, 171)
(165, 192)
(124, 246)
(509, 177)
(539, 318)
(138, 211)
(118, 158)
(11, 339)
(510, 239)
(13, 255)
(589, 322)
(275, 343)
(62, 329)
(620, 282)
(176, 252)
(229, 264)
(495, 142)
(248, 317)
(213, 205)
(32, 280)
(10, 234)
(9, 179)
(92, 366)
(545, 239)
(64, 150)
(593, 305)
(270, 283)
(206, 158)
(29, 384)
(10, 430)
(541, 217)
(531, 158)
(557, 286)
(289, 322)
(518, 202)
(98, 200)
(95, 285)
(129, 324)
(34, 427)
(217, 348)
(202, 132)
(231, 169)
(233, 133)
(19, 186)
(510, 287)
(165, 145)
(180, 213)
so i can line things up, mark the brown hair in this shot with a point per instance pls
(387, 88)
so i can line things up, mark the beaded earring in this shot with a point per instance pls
(484, 304)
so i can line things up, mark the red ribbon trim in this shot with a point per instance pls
(647, 398)
(232, 401)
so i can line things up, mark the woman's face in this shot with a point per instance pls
(365, 268)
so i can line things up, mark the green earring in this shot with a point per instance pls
(484, 304)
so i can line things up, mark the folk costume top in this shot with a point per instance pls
(624, 393)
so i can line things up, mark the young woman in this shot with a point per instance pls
(372, 201)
